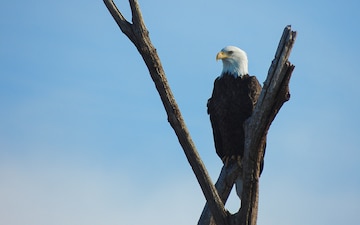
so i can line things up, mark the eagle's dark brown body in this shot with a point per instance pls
(232, 102)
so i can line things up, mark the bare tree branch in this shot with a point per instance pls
(138, 34)
(275, 92)
(136, 14)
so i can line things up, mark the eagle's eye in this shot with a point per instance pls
(230, 52)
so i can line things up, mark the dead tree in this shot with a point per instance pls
(275, 92)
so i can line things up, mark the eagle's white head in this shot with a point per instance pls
(234, 60)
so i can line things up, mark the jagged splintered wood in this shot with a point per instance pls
(275, 92)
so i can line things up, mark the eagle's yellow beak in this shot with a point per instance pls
(221, 55)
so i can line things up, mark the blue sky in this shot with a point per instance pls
(84, 138)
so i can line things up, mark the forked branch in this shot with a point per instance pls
(138, 34)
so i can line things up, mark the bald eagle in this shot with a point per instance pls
(233, 100)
